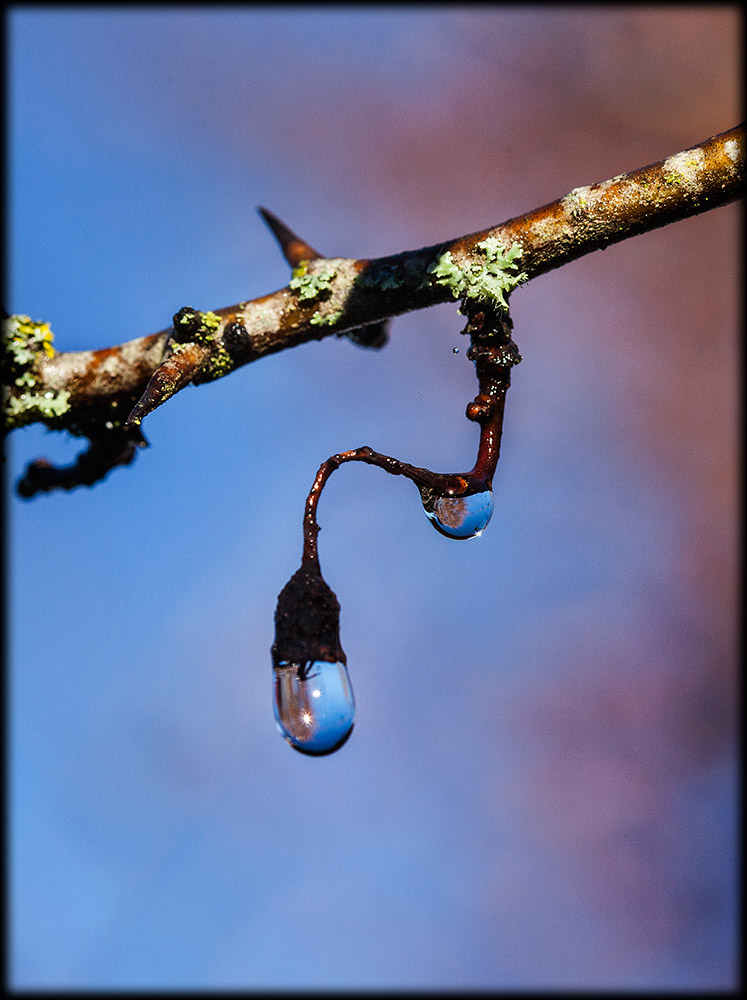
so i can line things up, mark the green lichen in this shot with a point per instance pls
(389, 280)
(415, 270)
(26, 342)
(312, 284)
(320, 319)
(28, 408)
(478, 281)
(219, 363)
(383, 279)
(210, 320)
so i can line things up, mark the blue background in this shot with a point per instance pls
(540, 790)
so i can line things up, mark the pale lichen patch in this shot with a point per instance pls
(336, 291)
(684, 168)
(548, 229)
(733, 149)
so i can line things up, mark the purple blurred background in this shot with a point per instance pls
(541, 789)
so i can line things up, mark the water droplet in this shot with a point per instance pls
(455, 350)
(314, 705)
(459, 517)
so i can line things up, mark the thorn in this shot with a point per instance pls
(170, 376)
(295, 250)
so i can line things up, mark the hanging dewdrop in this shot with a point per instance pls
(312, 695)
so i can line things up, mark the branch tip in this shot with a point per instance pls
(104, 453)
(173, 374)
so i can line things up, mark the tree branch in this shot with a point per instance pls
(88, 392)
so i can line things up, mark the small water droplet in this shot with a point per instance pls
(314, 705)
(455, 350)
(459, 517)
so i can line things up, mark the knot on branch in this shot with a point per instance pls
(193, 326)
(493, 352)
(481, 409)
(235, 334)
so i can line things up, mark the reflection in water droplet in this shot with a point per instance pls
(459, 517)
(314, 705)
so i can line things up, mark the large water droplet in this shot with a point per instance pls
(314, 705)
(459, 517)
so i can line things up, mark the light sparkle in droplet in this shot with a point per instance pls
(319, 726)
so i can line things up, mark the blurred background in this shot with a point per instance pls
(541, 788)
